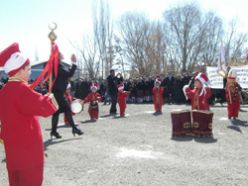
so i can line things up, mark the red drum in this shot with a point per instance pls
(202, 123)
(181, 123)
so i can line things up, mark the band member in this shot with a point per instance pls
(200, 94)
(93, 99)
(59, 89)
(69, 98)
(122, 96)
(233, 92)
(158, 92)
(21, 133)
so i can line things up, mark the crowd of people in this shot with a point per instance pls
(18, 99)
(140, 89)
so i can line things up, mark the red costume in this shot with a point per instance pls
(232, 95)
(199, 96)
(198, 101)
(158, 96)
(21, 133)
(93, 99)
(122, 96)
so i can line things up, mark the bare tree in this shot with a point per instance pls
(143, 44)
(213, 30)
(103, 34)
(184, 25)
(155, 49)
(235, 43)
(90, 59)
(133, 28)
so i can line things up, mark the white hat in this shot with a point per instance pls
(232, 74)
(12, 59)
(120, 86)
(93, 86)
(202, 77)
(157, 81)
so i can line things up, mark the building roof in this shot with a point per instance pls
(34, 63)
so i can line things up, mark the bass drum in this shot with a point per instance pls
(202, 123)
(181, 123)
(76, 106)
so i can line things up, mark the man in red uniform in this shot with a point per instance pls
(21, 133)
(200, 94)
(158, 100)
(122, 96)
(93, 99)
(233, 91)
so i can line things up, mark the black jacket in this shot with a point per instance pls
(64, 74)
(112, 85)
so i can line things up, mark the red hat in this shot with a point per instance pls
(202, 77)
(120, 86)
(12, 60)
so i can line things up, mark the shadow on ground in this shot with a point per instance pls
(50, 142)
(197, 139)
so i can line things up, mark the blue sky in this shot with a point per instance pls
(26, 21)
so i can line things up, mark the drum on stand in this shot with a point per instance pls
(202, 123)
(181, 123)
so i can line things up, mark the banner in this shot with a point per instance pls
(242, 75)
(215, 80)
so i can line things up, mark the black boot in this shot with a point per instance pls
(55, 134)
(76, 131)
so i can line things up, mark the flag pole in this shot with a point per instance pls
(52, 36)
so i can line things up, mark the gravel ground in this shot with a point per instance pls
(138, 150)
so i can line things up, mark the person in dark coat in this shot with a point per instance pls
(168, 84)
(112, 82)
(58, 90)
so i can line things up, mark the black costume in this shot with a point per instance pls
(58, 90)
(112, 90)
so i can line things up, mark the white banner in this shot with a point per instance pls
(242, 75)
(215, 80)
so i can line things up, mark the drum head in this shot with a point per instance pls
(76, 106)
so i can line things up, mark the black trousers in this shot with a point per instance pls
(65, 108)
(113, 109)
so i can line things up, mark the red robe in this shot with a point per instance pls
(198, 101)
(93, 99)
(158, 98)
(21, 133)
(122, 96)
(233, 99)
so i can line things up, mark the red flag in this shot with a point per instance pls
(51, 67)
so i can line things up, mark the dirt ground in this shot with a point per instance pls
(138, 151)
